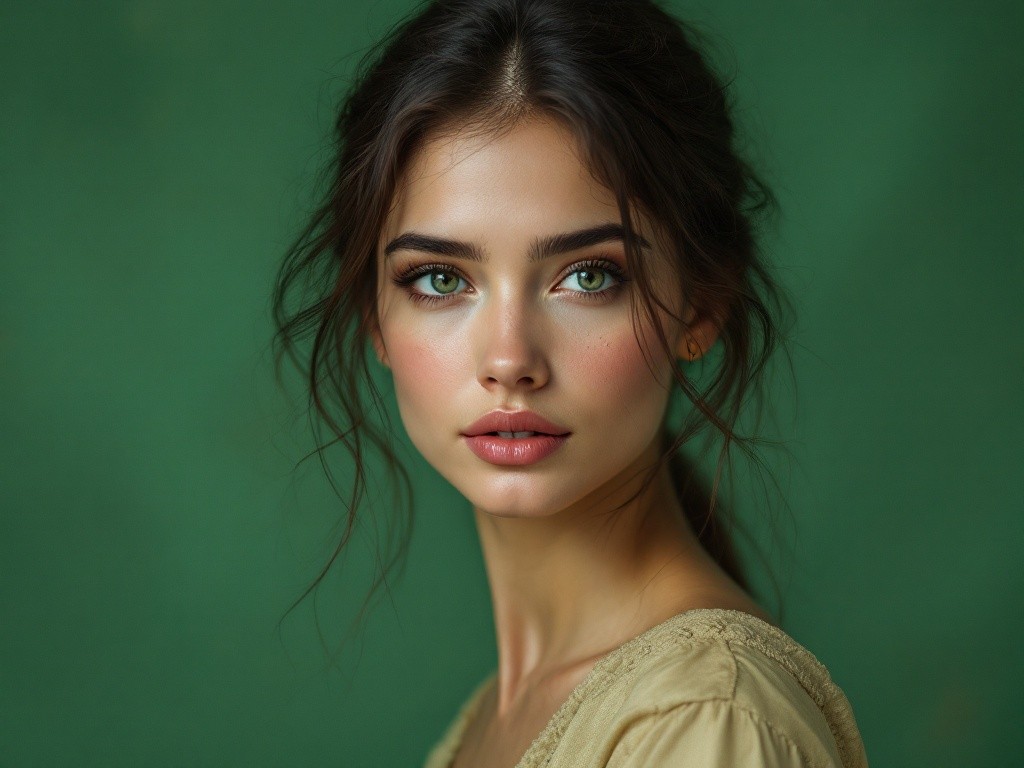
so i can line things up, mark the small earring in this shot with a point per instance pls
(690, 349)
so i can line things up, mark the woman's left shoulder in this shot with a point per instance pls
(765, 699)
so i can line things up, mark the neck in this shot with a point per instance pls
(569, 587)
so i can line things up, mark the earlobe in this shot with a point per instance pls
(379, 349)
(691, 350)
(376, 339)
(697, 337)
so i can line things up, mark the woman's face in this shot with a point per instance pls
(510, 332)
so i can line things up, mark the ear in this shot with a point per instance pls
(698, 334)
(378, 347)
(373, 329)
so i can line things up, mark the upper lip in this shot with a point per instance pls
(513, 421)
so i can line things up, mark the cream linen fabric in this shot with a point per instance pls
(707, 688)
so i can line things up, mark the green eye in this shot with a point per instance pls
(595, 278)
(444, 282)
(590, 279)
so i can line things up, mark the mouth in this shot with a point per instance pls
(514, 438)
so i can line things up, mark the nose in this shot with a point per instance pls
(511, 351)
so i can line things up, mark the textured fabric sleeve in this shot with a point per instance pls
(708, 734)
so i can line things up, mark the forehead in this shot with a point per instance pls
(527, 180)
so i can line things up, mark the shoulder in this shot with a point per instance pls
(717, 687)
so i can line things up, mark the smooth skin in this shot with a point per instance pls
(510, 333)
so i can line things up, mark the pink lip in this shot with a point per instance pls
(513, 421)
(514, 451)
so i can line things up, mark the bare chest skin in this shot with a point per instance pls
(490, 743)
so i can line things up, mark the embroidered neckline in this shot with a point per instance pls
(725, 624)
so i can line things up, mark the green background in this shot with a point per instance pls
(156, 159)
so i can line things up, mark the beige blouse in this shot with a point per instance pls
(708, 687)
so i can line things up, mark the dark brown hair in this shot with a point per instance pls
(653, 121)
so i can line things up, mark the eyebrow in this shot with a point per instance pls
(540, 249)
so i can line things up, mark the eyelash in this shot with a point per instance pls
(411, 275)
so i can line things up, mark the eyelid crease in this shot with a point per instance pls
(601, 262)
(426, 269)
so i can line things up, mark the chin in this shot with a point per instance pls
(520, 495)
(520, 503)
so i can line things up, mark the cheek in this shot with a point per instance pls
(615, 393)
(615, 371)
(425, 369)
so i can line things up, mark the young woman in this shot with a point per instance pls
(538, 223)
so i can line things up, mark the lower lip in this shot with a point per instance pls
(514, 451)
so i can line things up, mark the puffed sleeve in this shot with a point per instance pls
(709, 734)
